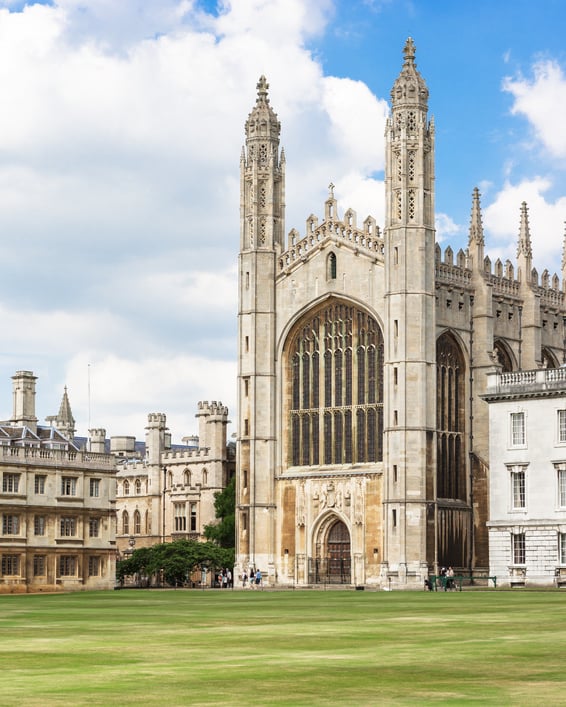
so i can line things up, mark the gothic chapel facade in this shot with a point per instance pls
(362, 437)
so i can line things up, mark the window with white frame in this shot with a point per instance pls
(518, 494)
(94, 487)
(68, 526)
(68, 486)
(518, 548)
(562, 548)
(11, 565)
(10, 524)
(39, 483)
(10, 483)
(561, 486)
(518, 433)
(561, 426)
(180, 517)
(39, 525)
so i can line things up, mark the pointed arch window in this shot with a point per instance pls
(331, 266)
(335, 372)
(125, 523)
(137, 523)
(451, 466)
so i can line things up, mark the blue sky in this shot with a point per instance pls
(120, 136)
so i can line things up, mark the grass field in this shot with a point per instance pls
(283, 648)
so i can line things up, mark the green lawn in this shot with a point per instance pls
(283, 648)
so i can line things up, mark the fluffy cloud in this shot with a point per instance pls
(546, 220)
(542, 101)
(120, 137)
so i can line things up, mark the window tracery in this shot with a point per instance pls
(335, 370)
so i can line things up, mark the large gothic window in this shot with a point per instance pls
(451, 461)
(335, 370)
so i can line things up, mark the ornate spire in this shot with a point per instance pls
(64, 421)
(262, 121)
(564, 254)
(524, 246)
(410, 87)
(65, 413)
(476, 226)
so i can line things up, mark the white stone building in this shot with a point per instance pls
(165, 491)
(363, 441)
(57, 502)
(527, 487)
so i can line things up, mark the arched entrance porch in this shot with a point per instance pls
(332, 562)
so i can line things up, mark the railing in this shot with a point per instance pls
(57, 457)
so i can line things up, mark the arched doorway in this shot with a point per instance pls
(333, 561)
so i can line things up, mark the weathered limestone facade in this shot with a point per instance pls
(363, 442)
(168, 494)
(527, 517)
(57, 503)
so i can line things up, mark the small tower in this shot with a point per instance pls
(97, 440)
(262, 214)
(23, 392)
(64, 421)
(410, 319)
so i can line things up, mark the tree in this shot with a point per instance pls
(175, 562)
(223, 532)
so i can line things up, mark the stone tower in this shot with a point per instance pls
(23, 393)
(410, 355)
(262, 212)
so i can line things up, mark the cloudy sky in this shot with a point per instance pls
(121, 126)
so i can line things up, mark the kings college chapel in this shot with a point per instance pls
(363, 355)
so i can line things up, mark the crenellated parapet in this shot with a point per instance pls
(213, 408)
(337, 230)
(180, 456)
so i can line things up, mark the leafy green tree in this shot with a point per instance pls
(223, 532)
(175, 562)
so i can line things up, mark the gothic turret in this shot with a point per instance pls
(262, 212)
(410, 346)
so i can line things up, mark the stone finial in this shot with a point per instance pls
(476, 226)
(262, 87)
(524, 246)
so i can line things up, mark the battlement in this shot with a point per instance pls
(156, 419)
(213, 408)
(500, 275)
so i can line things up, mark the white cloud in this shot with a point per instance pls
(446, 227)
(120, 138)
(542, 100)
(546, 220)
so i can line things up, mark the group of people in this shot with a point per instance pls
(252, 580)
(225, 579)
(446, 579)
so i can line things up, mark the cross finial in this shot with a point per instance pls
(409, 50)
